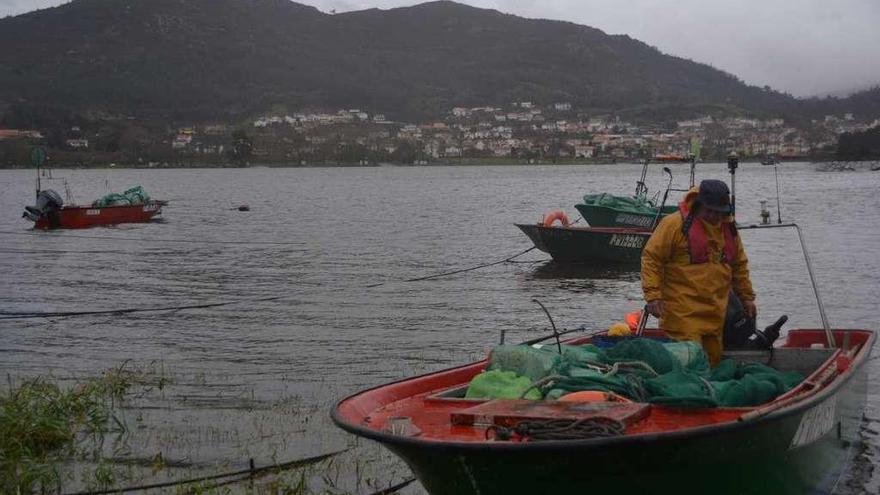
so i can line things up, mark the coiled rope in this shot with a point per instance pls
(558, 429)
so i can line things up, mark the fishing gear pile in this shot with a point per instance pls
(133, 196)
(638, 369)
(639, 205)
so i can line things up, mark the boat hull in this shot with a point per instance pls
(602, 216)
(750, 460)
(589, 244)
(81, 217)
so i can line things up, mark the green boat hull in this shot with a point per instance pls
(604, 216)
(754, 457)
(587, 245)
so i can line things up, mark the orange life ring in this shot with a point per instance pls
(555, 215)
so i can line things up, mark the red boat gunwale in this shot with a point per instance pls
(350, 412)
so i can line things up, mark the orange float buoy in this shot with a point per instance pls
(555, 215)
(593, 396)
(633, 319)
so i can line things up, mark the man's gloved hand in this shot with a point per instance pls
(750, 309)
(656, 307)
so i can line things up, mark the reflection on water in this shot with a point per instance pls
(585, 271)
(255, 380)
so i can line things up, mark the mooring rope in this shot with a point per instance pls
(142, 239)
(396, 488)
(249, 473)
(463, 270)
(22, 315)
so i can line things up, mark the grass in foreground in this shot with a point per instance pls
(43, 425)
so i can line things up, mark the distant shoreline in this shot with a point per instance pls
(466, 162)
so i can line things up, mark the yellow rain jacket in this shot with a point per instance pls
(695, 294)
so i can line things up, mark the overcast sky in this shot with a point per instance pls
(805, 47)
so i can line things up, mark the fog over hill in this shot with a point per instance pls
(226, 59)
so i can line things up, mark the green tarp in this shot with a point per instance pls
(627, 204)
(501, 385)
(133, 196)
(645, 370)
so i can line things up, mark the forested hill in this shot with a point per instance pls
(199, 59)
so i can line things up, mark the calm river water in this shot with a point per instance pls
(257, 379)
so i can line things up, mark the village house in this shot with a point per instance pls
(77, 144)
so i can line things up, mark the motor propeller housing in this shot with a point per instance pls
(47, 200)
(741, 332)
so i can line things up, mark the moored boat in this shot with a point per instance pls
(796, 443)
(574, 244)
(609, 210)
(566, 242)
(50, 212)
(606, 210)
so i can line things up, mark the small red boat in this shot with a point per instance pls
(794, 444)
(50, 212)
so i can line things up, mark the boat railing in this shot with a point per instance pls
(829, 335)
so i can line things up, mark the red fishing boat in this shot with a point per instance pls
(795, 444)
(50, 212)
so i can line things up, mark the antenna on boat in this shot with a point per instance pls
(778, 207)
(38, 157)
(694, 155)
(665, 197)
(552, 324)
(732, 164)
(641, 188)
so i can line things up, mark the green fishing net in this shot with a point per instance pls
(133, 196)
(674, 374)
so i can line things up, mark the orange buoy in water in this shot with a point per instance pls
(555, 215)
(593, 396)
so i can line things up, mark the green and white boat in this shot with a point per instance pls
(609, 210)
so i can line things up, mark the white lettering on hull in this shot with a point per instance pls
(630, 219)
(627, 241)
(815, 423)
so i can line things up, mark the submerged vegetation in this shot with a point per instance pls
(100, 434)
(43, 424)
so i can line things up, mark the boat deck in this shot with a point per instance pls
(432, 408)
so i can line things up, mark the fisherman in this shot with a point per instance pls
(690, 264)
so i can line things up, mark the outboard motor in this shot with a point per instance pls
(763, 339)
(741, 332)
(47, 201)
